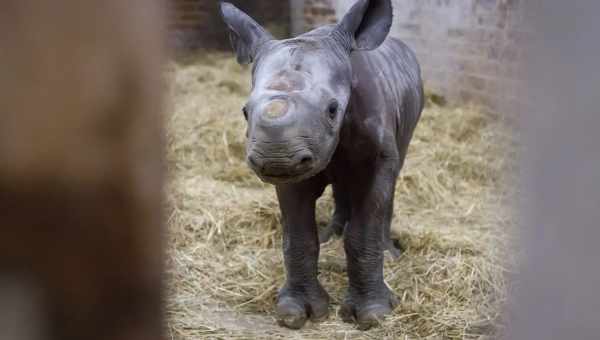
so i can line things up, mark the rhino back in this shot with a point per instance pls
(387, 89)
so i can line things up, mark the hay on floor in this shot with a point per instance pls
(225, 261)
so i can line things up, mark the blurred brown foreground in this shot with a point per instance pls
(80, 169)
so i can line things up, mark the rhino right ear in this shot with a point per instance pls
(245, 34)
(368, 23)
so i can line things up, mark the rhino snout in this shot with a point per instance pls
(278, 169)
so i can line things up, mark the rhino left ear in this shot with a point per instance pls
(245, 34)
(368, 23)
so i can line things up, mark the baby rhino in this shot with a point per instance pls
(337, 105)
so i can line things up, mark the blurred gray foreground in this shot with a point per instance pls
(558, 286)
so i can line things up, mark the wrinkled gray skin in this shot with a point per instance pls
(337, 105)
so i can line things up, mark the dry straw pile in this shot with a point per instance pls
(225, 240)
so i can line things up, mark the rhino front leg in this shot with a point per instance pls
(302, 297)
(369, 299)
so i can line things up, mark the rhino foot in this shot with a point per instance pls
(370, 312)
(394, 247)
(295, 307)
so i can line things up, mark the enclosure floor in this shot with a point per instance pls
(225, 261)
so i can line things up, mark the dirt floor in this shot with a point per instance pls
(225, 258)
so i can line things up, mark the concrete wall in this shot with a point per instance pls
(467, 48)
(318, 13)
(297, 21)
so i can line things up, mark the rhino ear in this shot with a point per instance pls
(368, 22)
(245, 34)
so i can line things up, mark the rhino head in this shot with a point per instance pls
(301, 88)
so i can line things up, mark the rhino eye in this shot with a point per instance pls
(332, 110)
(245, 112)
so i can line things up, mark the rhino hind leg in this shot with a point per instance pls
(341, 218)
(341, 215)
(390, 244)
(333, 228)
(337, 229)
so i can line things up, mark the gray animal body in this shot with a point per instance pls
(337, 105)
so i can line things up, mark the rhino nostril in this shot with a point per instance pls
(305, 160)
(253, 160)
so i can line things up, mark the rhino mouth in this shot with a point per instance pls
(287, 178)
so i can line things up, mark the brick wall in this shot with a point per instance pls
(197, 23)
(191, 24)
(468, 49)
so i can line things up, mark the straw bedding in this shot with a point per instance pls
(224, 252)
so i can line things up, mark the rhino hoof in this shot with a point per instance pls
(290, 314)
(367, 315)
(293, 312)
